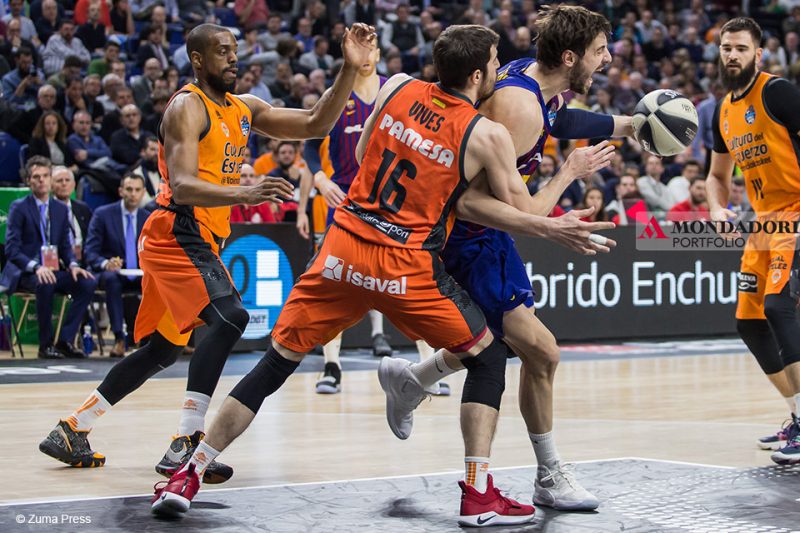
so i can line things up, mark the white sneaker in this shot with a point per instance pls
(403, 394)
(558, 488)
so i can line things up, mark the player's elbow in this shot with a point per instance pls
(179, 191)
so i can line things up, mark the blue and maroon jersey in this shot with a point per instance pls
(344, 137)
(513, 75)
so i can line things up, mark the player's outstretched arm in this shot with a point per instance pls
(299, 124)
(184, 122)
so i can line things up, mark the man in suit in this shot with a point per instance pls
(111, 245)
(78, 213)
(40, 260)
(143, 85)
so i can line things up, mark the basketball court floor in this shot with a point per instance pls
(663, 432)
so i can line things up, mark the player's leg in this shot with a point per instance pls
(380, 345)
(427, 353)
(330, 382)
(556, 485)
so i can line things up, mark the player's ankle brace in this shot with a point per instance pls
(267, 377)
(486, 376)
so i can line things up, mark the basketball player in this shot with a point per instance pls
(203, 137)
(420, 147)
(528, 101)
(341, 146)
(756, 126)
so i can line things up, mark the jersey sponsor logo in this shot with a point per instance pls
(232, 164)
(747, 282)
(334, 270)
(358, 128)
(225, 130)
(391, 230)
(245, 126)
(415, 141)
(426, 117)
(750, 115)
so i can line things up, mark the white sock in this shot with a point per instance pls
(84, 417)
(476, 472)
(331, 350)
(376, 319)
(193, 413)
(202, 457)
(544, 446)
(792, 405)
(796, 398)
(425, 350)
(431, 370)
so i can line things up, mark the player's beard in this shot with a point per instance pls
(735, 82)
(218, 84)
(486, 89)
(579, 79)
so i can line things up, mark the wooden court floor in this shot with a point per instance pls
(703, 409)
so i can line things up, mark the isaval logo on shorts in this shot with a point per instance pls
(334, 268)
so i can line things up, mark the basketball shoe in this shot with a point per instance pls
(181, 450)
(175, 497)
(440, 388)
(558, 488)
(778, 440)
(71, 447)
(789, 454)
(331, 380)
(491, 508)
(404, 393)
(380, 346)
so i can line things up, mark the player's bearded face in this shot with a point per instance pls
(735, 75)
(579, 77)
(487, 87)
(218, 83)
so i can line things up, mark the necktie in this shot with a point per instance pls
(43, 223)
(71, 226)
(131, 259)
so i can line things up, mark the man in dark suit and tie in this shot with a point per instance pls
(37, 251)
(111, 245)
(78, 213)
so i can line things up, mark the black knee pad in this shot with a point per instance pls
(265, 378)
(758, 337)
(226, 312)
(486, 376)
(780, 310)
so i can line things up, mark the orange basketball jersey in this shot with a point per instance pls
(220, 156)
(763, 148)
(412, 172)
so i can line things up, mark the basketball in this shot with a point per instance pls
(664, 122)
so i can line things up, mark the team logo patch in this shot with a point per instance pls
(245, 126)
(750, 115)
(225, 129)
(351, 104)
(747, 282)
(333, 268)
(551, 116)
(776, 276)
(725, 126)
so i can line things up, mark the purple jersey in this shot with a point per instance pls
(344, 138)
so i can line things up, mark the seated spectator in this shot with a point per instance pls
(405, 37)
(251, 12)
(49, 139)
(244, 82)
(27, 27)
(147, 168)
(40, 260)
(256, 214)
(73, 100)
(112, 120)
(656, 195)
(90, 150)
(70, 69)
(63, 44)
(693, 208)
(11, 41)
(259, 87)
(544, 173)
(623, 189)
(285, 156)
(274, 32)
(153, 116)
(679, 185)
(304, 36)
(251, 50)
(91, 92)
(93, 32)
(737, 200)
(318, 57)
(78, 213)
(111, 246)
(126, 143)
(317, 82)
(23, 125)
(82, 11)
(282, 86)
(21, 85)
(298, 90)
(102, 65)
(111, 84)
(49, 22)
(151, 46)
(594, 198)
(143, 85)
(122, 18)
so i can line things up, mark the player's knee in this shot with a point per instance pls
(239, 317)
(778, 307)
(170, 356)
(486, 376)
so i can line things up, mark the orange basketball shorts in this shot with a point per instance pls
(183, 273)
(349, 276)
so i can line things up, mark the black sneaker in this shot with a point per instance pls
(331, 380)
(380, 347)
(71, 447)
(68, 350)
(181, 450)
(49, 352)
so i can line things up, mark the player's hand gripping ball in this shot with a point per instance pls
(664, 122)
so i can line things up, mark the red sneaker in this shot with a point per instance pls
(175, 498)
(491, 508)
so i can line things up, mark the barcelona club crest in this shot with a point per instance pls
(245, 126)
(750, 115)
